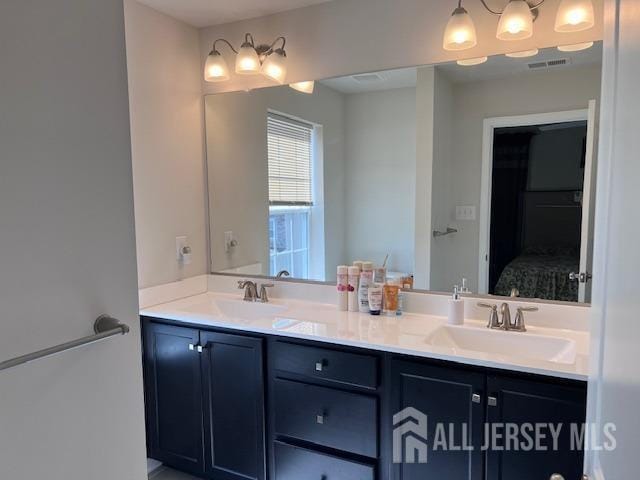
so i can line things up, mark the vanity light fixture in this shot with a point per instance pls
(576, 47)
(460, 33)
(471, 61)
(516, 21)
(574, 16)
(304, 87)
(522, 54)
(250, 60)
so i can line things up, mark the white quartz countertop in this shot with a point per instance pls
(407, 334)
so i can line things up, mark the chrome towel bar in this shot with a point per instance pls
(104, 327)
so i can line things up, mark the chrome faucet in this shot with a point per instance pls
(283, 273)
(251, 291)
(504, 321)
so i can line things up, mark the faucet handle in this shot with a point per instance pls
(494, 321)
(263, 292)
(518, 324)
(240, 284)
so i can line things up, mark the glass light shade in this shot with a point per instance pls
(522, 54)
(460, 33)
(247, 61)
(576, 47)
(275, 66)
(215, 68)
(574, 16)
(471, 61)
(516, 21)
(304, 87)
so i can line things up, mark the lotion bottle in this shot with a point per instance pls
(342, 286)
(456, 309)
(354, 277)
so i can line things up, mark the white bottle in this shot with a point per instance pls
(342, 287)
(366, 279)
(456, 309)
(354, 280)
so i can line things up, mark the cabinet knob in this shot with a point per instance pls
(475, 398)
(319, 366)
(192, 347)
(556, 476)
(320, 419)
(492, 401)
(199, 348)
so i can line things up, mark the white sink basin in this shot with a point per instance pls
(513, 344)
(240, 309)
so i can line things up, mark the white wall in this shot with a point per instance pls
(238, 183)
(614, 387)
(539, 92)
(350, 36)
(380, 134)
(68, 248)
(167, 143)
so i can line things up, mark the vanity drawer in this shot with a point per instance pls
(328, 417)
(322, 363)
(294, 463)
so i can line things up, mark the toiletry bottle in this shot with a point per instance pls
(366, 278)
(352, 294)
(456, 309)
(375, 299)
(343, 287)
(391, 297)
(358, 263)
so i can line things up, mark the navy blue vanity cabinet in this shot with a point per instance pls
(446, 396)
(173, 394)
(233, 387)
(521, 402)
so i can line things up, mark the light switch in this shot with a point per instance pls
(465, 212)
(183, 250)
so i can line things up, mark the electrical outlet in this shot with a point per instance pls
(229, 241)
(465, 212)
(181, 242)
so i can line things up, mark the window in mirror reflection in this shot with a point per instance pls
(290, 150)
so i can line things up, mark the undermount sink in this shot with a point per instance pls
(241, 309)
(516, 344)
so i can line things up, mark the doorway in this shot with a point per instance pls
(536, 206)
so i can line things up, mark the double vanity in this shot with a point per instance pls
(294, 389)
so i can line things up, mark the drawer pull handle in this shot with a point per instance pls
(492, 401)
(319, 366)
(475, 398)
(320, 419)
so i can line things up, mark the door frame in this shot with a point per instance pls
(488, 127)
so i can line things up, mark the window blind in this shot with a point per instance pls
(289, 156)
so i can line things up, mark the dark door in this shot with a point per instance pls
(523, 403)
(174, 396)
(451, 400)
(234, 413)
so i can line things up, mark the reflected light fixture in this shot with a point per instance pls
(576, 47)
(304, 87)
(250, 60)
(522, 54)
(471, 61)
(574, 16)
(460, 32)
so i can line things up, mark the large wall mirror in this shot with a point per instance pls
(442, 173)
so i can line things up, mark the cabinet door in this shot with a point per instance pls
(234, 412)
(446, 397)
(174, 396)
(519, 402)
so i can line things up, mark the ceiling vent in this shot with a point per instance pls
(367, 78)
(558, 62)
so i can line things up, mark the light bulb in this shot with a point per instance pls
(576, 47)
(247, 61)
(574, 16)
(522, 54)
(471, 61)
(215, 68)
(516, 21)
(460, 33)
(275, 66)
(304, 87)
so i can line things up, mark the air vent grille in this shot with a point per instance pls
(558, 62)
(367, 78)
